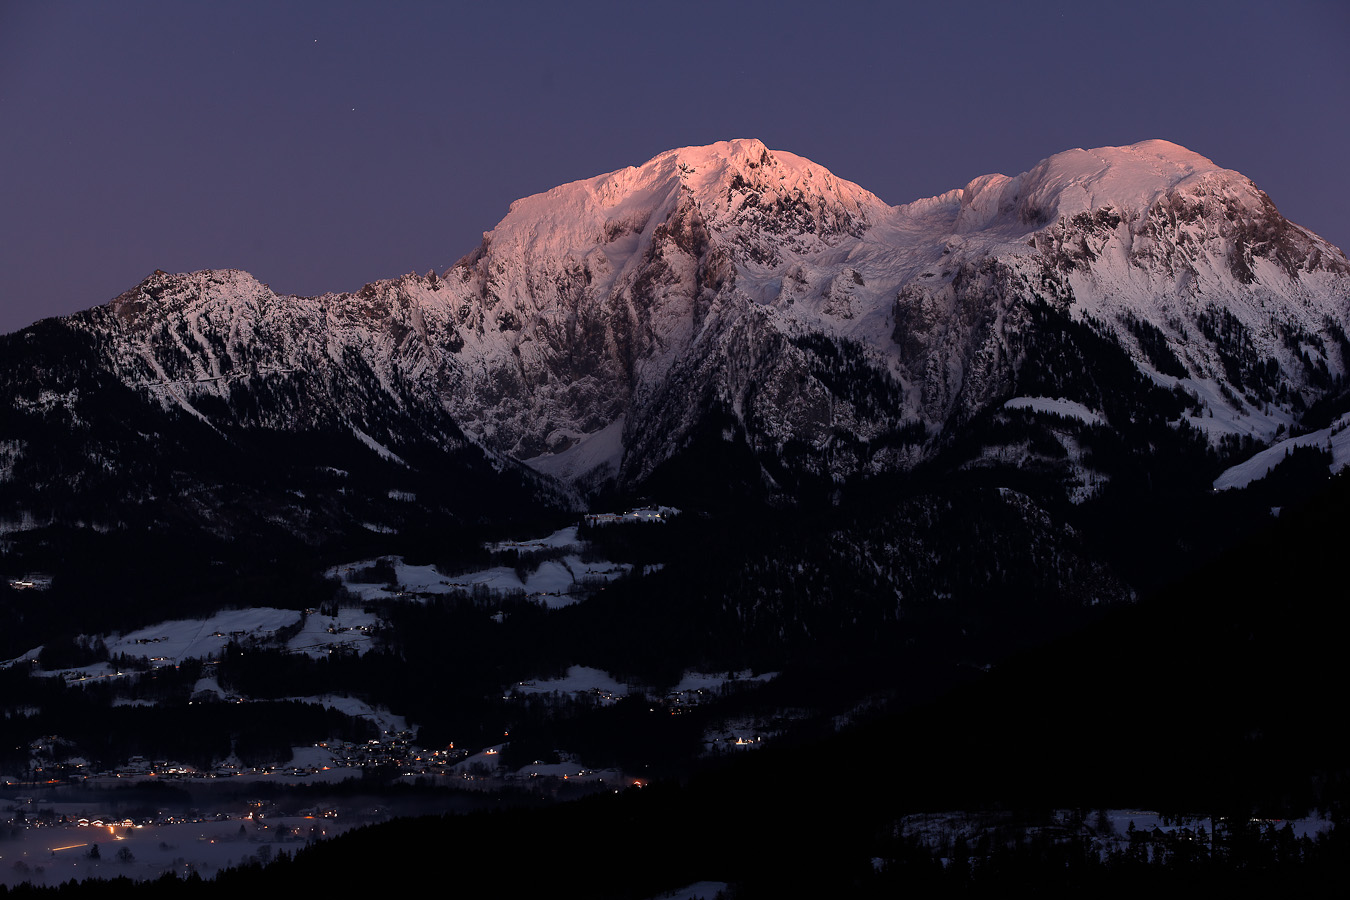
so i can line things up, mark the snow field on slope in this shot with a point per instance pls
(349, 629)
(585, 680)
(210, 684)
(1336, 439)
(358, 709)
(181, 639)
(1070, 409)
(561, 539)
(578, 680)
(602, 449)
(170, 643)
(206, 847)
(552, 583)
(173, 641)
(487, 763)
(699, 890)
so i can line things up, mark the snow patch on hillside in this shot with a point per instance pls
(553, 582)
(1335, 439)
(578, 680)
(359, 709)
(1058, 406)
(1076, 181)
(594, 455)
(181, 639)
(561, 539)
(380, 449)
(585, 679)
(350, 630)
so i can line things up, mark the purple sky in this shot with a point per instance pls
(324, 145)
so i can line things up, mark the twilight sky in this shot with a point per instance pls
(322, 145)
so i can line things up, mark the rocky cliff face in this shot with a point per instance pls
(739, 294)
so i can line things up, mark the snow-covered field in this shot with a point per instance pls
(578, 680)
(356, 629)
(597, 453)
(555, 583)
(359, 709)
(693, 682)
(587, 680)
(179, 639)
(562, 539)
(350, 629)
(1070, 409)
(699, 890)
(169, 643)
(55, 855)
(1336, 439)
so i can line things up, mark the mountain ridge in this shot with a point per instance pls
(606, 326)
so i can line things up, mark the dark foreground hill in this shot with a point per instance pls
(1213, 698)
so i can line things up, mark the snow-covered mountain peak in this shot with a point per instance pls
(162, 293)
(160, 283)
(742, 164)
(738, 151)
(1126, 179)
(740, 189)
(743, 184)
(1162, 155)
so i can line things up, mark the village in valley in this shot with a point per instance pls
(60, 808)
